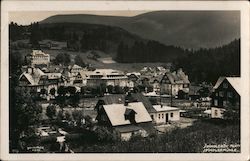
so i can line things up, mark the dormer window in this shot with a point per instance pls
(130, 115)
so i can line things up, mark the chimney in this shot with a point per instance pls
(30, 70)
(126, 102)
(179, 70)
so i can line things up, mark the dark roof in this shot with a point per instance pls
(127, 128)
(114, 99)
(141, 98)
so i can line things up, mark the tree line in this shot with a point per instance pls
(150, 51)
(209, 64)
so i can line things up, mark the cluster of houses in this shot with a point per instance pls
(40, 72)
(133, 113)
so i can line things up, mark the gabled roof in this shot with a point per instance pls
(177, 77)
(36, 74)
(33, 77)
(234, 81)
(115, 113)
(219, 81)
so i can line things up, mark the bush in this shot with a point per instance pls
(105, 135)
(51, 111)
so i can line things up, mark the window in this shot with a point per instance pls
(224, 103)
(216, 102)
(216, 112)
(162, 115)
(229, 94)
(159, 116)
(221, 94)
(171, 115)
(152, 116)
(225, 85)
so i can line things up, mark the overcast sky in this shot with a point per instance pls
(26, 17)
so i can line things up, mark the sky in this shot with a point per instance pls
(27, 17)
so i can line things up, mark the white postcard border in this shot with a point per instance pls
(8, 6)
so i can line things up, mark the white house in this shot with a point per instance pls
(164, 114)
(38, 57)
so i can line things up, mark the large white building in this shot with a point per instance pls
(103, 76)
(37, 57)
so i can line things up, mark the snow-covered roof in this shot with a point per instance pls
(160, 108)
(115, 113)
(234, 81)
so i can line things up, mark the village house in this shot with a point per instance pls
(37, 57)
(155, 83)
(75, 69)
(226, 95)
(165, 114)
(37, 81)
(125, 119)
(172, 83)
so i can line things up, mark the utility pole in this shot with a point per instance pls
(160, 93)
(171, 98)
